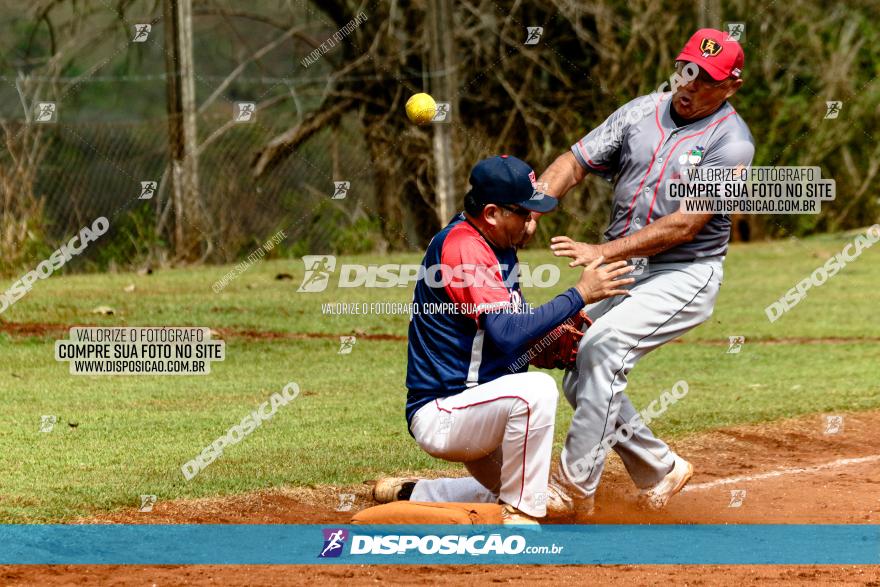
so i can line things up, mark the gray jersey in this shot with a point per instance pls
(641, 148)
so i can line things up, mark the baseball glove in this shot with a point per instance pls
(558, 348)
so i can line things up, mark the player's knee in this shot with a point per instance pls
(600, 345)
(434, 446)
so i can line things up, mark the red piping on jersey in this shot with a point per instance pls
(672, 151)
(522, 483)
(653, 158)
(482, 241)
(587, 157)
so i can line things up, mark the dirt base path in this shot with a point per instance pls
(792, 472)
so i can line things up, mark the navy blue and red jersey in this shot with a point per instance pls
(450, 351)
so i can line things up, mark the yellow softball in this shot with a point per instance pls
(421, 108)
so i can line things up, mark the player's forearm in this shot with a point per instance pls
(659, 236)
(514, 331)
(562, 175)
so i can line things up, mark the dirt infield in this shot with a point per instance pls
(273, 576)
(792, 472)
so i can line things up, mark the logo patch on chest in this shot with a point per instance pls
(692, 156)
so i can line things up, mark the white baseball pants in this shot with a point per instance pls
(503, 433)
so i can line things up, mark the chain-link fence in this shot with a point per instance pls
(77, 169)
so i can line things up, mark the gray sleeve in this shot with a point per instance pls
(737, 151)
(598, 151)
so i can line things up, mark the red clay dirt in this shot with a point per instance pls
(43, 329)
(816, 477)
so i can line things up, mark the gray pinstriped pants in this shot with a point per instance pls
(667, 300)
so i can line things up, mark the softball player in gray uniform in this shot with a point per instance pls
(643, 144)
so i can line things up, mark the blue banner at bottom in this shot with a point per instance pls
(551, 544)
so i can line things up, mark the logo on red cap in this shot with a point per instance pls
(710, 47)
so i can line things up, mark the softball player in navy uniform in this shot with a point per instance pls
(468, 399)
(639, 147)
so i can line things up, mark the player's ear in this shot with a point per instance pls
(492, 214)
(733, 88)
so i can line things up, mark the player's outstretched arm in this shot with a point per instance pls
(663, 234)
(562, 175)
(513, 330)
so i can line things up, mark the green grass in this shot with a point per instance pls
(134, 432)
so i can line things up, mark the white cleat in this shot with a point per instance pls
(564, 500)
(658, 496)
(559, 502)
(510, 516)
(388, 489)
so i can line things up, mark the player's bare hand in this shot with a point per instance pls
(582, 253)
(598, 282)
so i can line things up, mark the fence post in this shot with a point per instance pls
(182, 127)
(443, 88)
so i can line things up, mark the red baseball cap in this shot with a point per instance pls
(716, 52)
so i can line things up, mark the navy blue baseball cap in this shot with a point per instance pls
(507, 180)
